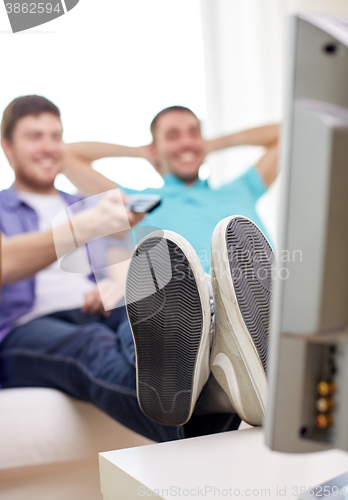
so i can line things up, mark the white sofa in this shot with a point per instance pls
(49, 445)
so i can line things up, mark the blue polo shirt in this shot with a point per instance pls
(194, 211)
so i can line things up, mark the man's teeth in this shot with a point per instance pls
(186, 157)
(46, 163)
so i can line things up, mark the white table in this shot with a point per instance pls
(235, 463)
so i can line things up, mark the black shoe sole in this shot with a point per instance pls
(166, 317)
(250, 257)
(241, 268)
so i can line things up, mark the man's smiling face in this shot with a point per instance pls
(179, 146)
(36, 152)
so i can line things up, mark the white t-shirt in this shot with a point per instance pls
(55, 290)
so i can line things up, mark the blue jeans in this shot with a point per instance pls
(91, 358)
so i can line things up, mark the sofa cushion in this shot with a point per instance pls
(43, 426)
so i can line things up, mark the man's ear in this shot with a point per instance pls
(155, 160)
(6, 146)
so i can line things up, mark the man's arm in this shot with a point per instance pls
(80, 156)
(25, 254)
(266, 136)
(267, 165)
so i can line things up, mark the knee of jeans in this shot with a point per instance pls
(125, 337)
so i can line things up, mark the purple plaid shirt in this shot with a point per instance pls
(16, 217)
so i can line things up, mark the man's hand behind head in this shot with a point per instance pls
(148, 152)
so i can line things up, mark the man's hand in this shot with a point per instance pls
(135, 217)
(267, 166)
(103, 298)
(148, 152)
(109, 214)
(107, 218)
(110, 207)
(210, 146)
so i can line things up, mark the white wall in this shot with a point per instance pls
(110, 69)
(330, 6)
(244, 44)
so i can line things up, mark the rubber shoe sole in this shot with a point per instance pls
(167, 301)
(241, 267)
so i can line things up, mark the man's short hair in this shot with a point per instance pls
(24, 106)
(169, 110)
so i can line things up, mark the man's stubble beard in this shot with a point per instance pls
(32, 184)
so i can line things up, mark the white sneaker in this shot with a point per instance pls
(168, 307)
(241, 271)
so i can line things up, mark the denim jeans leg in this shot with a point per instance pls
(87, 360)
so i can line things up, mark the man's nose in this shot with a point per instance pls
(48, 145)
(186, 142)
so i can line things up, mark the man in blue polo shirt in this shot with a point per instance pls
(189, 205)
(173, 313)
